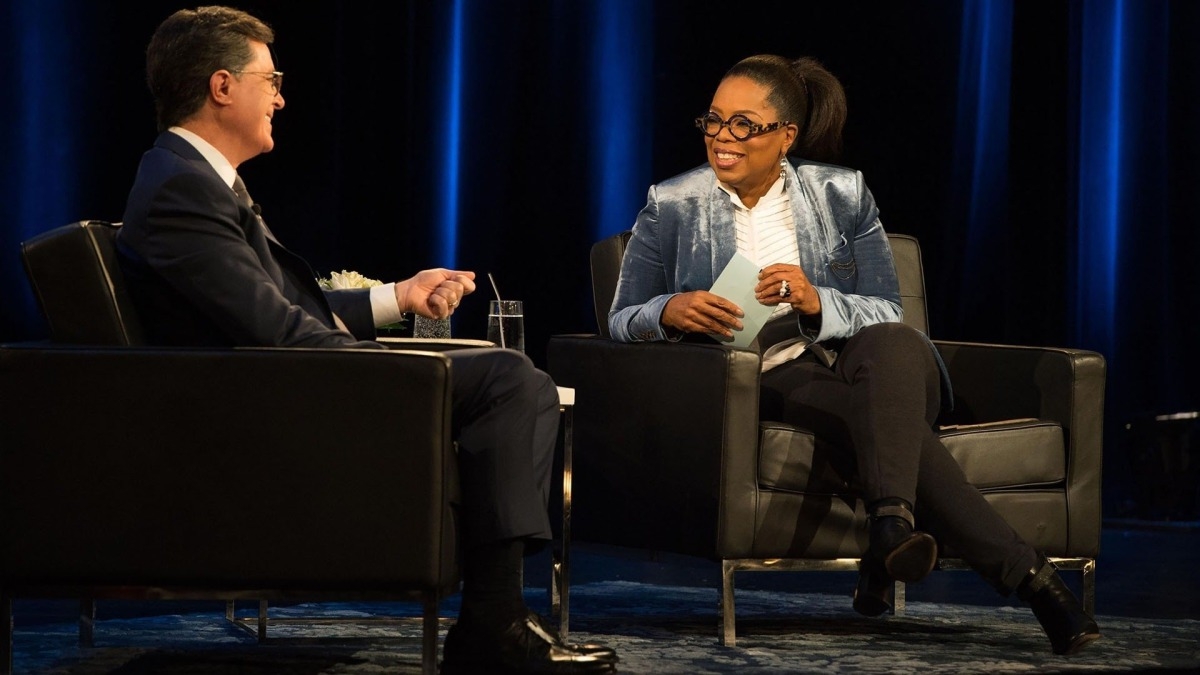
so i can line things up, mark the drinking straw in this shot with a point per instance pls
(493, 280)
(499, 307)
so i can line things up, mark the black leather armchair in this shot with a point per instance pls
(135, 472)
(671, 456)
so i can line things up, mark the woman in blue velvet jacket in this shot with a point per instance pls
(836, 357)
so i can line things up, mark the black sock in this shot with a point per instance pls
(493, 581)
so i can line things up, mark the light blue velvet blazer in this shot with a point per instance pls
(685, 235)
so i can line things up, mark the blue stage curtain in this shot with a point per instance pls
(1044, 152)
(616, 71)
(1135, 287)
(40, 141)
(1126, 281)
(981, 157)
(451, 152)
(621, 79)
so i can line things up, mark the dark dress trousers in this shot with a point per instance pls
(204, 270)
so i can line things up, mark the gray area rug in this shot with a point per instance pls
(656, 629)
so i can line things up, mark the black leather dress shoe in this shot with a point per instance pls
(585, 647)
(524, 646)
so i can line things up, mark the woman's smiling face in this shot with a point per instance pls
(749, 166)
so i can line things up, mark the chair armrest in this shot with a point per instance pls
(271, 468)
(997, 382)
(658, 427)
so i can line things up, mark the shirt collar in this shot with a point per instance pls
(775, 190)
(222, 166)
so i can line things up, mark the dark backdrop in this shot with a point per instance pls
(1042, 151)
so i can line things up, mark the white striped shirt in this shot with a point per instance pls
(766, 234)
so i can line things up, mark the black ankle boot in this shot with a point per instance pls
(1068, 626)
(874, 594)
(896, 552)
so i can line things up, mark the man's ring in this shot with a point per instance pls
(785, 289)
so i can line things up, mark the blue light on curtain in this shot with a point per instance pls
(447, 235)
(982, 139)
(43, 142)
(1101, 118)
(622, 62)
(46, 137)
(1131, 176)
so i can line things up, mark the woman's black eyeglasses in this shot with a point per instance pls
(739, 125)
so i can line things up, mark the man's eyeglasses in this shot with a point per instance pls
(739, 125)
(276, 77)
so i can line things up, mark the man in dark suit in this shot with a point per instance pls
(205, 270)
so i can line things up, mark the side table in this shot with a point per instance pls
(560, 576)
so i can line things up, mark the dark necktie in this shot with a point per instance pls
(239, 189)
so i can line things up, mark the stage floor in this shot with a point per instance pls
(661, 614)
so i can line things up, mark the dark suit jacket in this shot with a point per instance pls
(203, 271)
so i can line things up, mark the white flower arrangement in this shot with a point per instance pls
(344, 279)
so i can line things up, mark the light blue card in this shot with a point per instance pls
(736, 284)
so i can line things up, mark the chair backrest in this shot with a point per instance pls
(906, 252)
(606, 258)
(607, 253)
(77, 280)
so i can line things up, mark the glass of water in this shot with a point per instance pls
(506, 324)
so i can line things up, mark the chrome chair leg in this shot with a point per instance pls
(728, 630)
(1089, 587)
(560, 571)
(1086, 567)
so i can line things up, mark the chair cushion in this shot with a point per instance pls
(790, 459)
(1016, 453)
(1013, 453)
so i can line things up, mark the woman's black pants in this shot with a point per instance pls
(878, 404)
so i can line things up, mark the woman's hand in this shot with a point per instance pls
(702, 312)
(787, 283)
